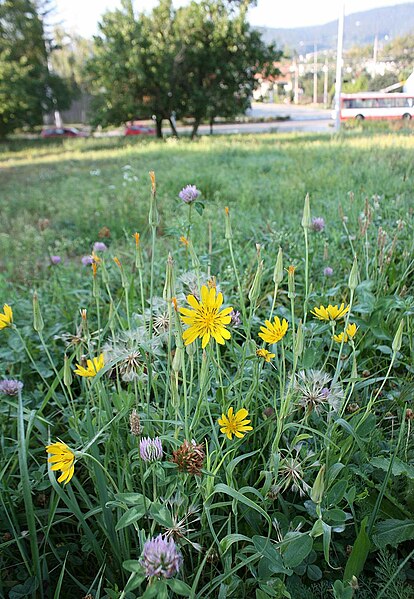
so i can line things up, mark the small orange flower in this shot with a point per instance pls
(117, 262)
(184, 241)
(94, 268)
(174, 303)
(136, 237)
(226, 210)
(291, 269)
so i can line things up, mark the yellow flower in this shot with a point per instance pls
(6, 318)
(205, 319)
(331, 312)
(266, 355)
(235, 424)
(62, 458)
(184, 241)
(273, 332)
(92, 367)
(346, 335)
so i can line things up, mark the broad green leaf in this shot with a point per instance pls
(132, 565)
(179, 587)
(398, 466)
(359, 553)
(297, 550)
(392, 532)
(132, 515)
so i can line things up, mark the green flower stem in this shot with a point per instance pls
(239, 287)
(305, 303)
(88, 455)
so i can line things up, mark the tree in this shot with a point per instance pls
(199, 61)
(222, 57)
(27, 89)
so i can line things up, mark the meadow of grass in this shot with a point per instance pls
(314, 499)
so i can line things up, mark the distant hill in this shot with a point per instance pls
(360, 29)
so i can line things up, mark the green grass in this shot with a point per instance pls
(322, 488)
(263, 179)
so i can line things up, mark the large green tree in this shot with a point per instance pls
(199, 61)
(27, 87)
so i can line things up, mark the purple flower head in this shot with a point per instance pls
(189, 194)
(318, 224)
(235, 318)
(87, 260)
(161, 557)
(328, 271)
(150, 450)
(55, 260)
(10, 387)
(99, 246)
(325, 392)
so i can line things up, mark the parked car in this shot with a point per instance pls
(63, 132)
(137, 129)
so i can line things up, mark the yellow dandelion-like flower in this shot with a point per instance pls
(274, 331)
(331, 312)
(62, 458)
(235, 424)
(266, 355)
(6, 317)
(92, 367)
(205, 320)
(346, 335)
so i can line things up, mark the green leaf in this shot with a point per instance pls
(132, 565)
(130, 516)
(179, 587)
(297, 550)
(398, 466)
(131, 498)
(314, 572)
(161, 514)
(359, 553)
(392, 532)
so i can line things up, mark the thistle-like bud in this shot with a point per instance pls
(291, 281)
(255, 288)
(67, 372)
(204, 372)
(169, 287)
(38, 323)
(138, 251)
(278, 271)
(229, 233)
(153, 217)
(306, 218)
(397, 342)
(194, 258)
(134, 423)
(177, 362)
(353, 275)
(318, 486)
(299, 340)
(124, 279)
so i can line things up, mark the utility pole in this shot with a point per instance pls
(296, 82)
(325, 81)
(338, 78)
(315, 74)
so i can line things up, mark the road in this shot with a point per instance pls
(301, 118)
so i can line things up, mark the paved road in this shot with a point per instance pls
(301, 118)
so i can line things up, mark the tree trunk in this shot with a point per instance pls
(173, 127)
(158, 123)
(195, 128)
(211, 125)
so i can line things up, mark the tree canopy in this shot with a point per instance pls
(199, 61)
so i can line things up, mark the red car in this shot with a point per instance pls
(63, 132)
(139, 130)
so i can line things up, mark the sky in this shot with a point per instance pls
(83, 15)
